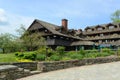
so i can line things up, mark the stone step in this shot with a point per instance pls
(35, 72)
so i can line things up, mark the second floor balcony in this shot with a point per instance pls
(114, 36)
(101, 31)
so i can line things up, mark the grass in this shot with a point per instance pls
(8, 57)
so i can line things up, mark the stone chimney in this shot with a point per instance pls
(65, 24)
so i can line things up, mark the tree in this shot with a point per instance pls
(6, 41)
(116, 16)
(31, 40)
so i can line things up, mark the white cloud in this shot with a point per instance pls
(14, 22)
(3, 17)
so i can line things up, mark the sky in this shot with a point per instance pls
(80, 13)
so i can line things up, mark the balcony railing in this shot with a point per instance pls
(114, 36)
(101, 31)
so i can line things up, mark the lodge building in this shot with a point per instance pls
(104, 35)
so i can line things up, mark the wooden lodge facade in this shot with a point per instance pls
(105, 35)
(99, 35)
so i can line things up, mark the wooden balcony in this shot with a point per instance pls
(114, 36)
(101, 31)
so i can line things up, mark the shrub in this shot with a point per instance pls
(91, 51)
(76, 56)
(70, 53)
(55, 58)
(107, 50)
(30, 55)
(66, 58)
(19, 54)
(82, 52)
(41, 50)
(41, 57)
(16, 54)
(60, 50)
(91, 55)
(104, 54)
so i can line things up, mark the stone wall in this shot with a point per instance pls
(55, 65)
(11, 72)
(7, 72)
(25, 65)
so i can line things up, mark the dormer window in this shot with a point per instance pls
(99, 28)
(111, 27)
(89, 30)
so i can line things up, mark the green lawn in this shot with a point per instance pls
(7, 57)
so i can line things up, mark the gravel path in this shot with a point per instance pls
(106, 71)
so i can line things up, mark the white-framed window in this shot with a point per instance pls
(89, 30)
(99, 28)
(101, 35)
(106, 41)
(46, 30)
(111, 27)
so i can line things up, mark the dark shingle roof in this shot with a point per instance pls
(52, 28)
(103, 25)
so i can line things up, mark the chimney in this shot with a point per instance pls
(65, 24)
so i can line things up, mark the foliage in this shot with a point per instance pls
(10, 43)
(6, 41)
(60, 50)
(41, 57)
(82, 52)
(26, 55)
(66, 58)
(107, 50)
(116, 16)
(24, 60)
(30, 40)
(76, 56)
(30, 56)
(91, 51)
(55, 58)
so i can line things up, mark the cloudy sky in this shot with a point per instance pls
(80, 13)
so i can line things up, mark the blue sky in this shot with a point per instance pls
(80, 13)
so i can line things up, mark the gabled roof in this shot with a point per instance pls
(103, 25)
(51, 27)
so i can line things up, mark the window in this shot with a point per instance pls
(46, 30)
(111, 27)
(89, 30)
(101, 35)
(106, 41)
(99, 28)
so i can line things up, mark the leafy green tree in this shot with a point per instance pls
(31, 40)
(116, 16)
(6, 41)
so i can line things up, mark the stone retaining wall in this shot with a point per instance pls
(18, 70)
(7, 72)
(55, 65)
(25, 65)
(11, 72)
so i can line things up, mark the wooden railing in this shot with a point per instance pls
(101, 31)
(103, 37)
